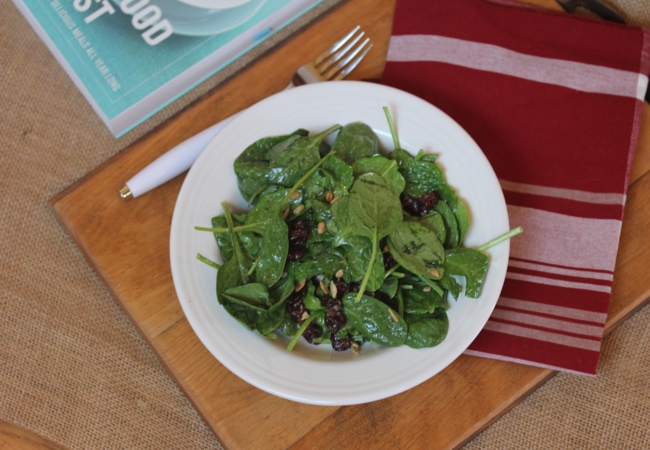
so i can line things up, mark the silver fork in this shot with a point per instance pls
(335, 64)
(346, 55)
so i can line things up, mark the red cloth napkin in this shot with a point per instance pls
(554, 101)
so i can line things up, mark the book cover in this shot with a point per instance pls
(130, 58)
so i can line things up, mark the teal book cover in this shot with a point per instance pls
(130, 58)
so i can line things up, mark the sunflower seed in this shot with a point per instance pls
(300, 285)
(333, 289)
(323, 287)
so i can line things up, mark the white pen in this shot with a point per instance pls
(172, 163)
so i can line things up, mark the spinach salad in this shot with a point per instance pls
(344, 246)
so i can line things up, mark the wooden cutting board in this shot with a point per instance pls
(128, 245)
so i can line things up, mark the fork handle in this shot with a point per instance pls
(173, 162)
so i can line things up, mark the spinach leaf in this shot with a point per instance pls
(356, 140)
(429, 157)
(375, 211)
(401, 156)
(290, 164)
(358, 254)
(251, 304)
(274, 249)
(267, 242)
(372, 318)
(448, 282)
(253, 294)
(223, 239)
(324, 148)
(469, 263)
(334, 174)
(250, 241)
(244, 264)
(251, 167)
(427, 330)
(250, 315)
(267, 206)
(288, 327)
(339, 172)
(452, 239)
(373, 207)
(389, 288)
(262, 321)
(419, 301)
(462, 219)
(311, 302)
(228, 276)
(281, 146)
(343, 225)
(417, 249)
(282, 289)
(326, 263)
(384, 167)
(423, 177)
(319, 211)
(433, 221)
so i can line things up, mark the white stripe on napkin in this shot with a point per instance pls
(561, 271)
(567, 194)
(546, 322)
(546, 336)
(492, 58)
(561, 283)
(642, 87)
(562, 240)
(562, 311)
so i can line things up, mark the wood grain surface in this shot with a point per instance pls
(13, 437)
(127, 243)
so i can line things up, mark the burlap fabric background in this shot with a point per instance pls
(74, 370)
(635, 12)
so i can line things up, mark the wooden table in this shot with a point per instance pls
(242, 416)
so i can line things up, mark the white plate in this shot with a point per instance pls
(317, 374)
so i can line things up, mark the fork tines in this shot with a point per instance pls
(346, 55)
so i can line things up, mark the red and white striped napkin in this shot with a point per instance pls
(555, 103)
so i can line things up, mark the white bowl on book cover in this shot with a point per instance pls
(188, 20)
(318, 374)
(215, 4)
